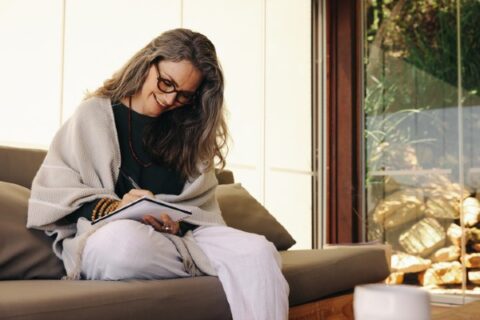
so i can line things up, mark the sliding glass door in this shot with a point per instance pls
(421, 122)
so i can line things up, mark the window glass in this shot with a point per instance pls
(421, 126)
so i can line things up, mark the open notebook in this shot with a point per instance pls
(137, 209)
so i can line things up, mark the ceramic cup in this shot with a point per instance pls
(390, 302)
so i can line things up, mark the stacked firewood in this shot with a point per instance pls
(423, 225)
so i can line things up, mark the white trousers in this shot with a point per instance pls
(248, 266)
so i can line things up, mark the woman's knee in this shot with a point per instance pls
(114, 251)
(259, 247)
(114, 236)
(263, 246)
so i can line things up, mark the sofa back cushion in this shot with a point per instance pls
(24, 253)
(19, 165)
(242, 211)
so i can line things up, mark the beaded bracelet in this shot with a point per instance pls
(95, 210)
(103, 207)
(111, 207)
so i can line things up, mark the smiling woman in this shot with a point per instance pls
(157, 125)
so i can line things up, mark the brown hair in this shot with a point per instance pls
(183, 137)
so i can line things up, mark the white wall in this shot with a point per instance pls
(30, 70)
(264, 47)
(101, 35)
(288, 116)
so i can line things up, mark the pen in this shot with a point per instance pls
(132, 182)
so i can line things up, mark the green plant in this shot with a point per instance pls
(411, 67)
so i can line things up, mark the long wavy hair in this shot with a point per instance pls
(185, 137)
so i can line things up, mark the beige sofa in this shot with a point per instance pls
(320, 281)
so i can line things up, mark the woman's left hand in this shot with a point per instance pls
(163, 224)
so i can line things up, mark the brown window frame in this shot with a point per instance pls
(344, 130)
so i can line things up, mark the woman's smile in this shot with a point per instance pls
(159, 103)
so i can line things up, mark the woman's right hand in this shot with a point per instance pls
(133, 195)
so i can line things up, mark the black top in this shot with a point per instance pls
(156, 178)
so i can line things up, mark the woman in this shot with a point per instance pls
(153, 129)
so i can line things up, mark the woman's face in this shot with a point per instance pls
(178, 80)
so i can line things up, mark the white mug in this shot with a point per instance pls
(390, 302)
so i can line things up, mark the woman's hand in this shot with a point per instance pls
(133, 195)
(163, 224)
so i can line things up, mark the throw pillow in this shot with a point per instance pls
(242, 211)
(24, 253)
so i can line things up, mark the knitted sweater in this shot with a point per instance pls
(81, 165)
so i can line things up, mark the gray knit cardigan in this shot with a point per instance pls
(81, 165)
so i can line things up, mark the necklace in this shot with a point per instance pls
(130, 144)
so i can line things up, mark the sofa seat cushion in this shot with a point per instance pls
(311, 274)
(180, 299)
(315, 274)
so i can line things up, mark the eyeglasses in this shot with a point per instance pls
(167, 86)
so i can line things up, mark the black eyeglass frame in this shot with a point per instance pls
(190, 97)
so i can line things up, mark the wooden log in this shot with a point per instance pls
(442, 273)
(423, 238)
(406, 263)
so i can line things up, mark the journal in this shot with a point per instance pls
(146, 206)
